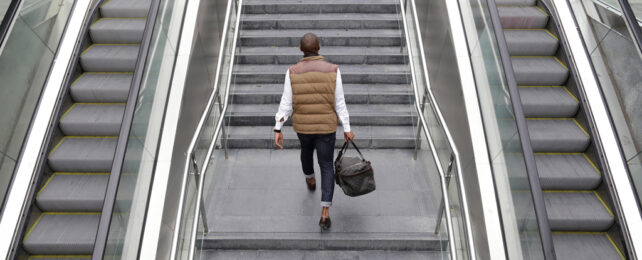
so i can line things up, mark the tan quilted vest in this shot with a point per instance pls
(313, 84)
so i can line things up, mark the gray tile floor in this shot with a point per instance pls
(254, 187)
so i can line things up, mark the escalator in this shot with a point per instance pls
(65, 214)
(576, 198)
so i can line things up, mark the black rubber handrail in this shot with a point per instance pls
(123, 137)
(632, 22)
(7, 20)
(524, 136)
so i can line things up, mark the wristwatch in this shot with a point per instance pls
(277, 130)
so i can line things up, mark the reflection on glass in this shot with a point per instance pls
(32, 44)
(617, 65)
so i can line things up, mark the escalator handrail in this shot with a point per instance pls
(453, 148)
(7, 21)
(524, 135)
(201, 127)
(123, 136)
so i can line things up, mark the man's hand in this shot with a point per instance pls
(278, 140)
(348, 136)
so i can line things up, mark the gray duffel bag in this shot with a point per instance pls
(354, 175)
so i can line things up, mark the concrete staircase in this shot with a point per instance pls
(258, 206)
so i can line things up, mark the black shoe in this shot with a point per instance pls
(311, 186)
(325, 223)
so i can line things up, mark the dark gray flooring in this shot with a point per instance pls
(255, 187)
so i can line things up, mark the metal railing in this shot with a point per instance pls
(7, 21)
(191, 164)
(444, 176)
(524, 135)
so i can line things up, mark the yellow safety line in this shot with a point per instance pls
(101, 103)
(592, 164)
(551, 34)
(57, 146)
(108, 44)
(46, 183)
(603, 203)
(59, 256)
(571, 94)
(615, 246)
(67, 111)
(82, 173)
(541, 10)
(581, 128)
(76, 80)
(561, 63)
(33, 227)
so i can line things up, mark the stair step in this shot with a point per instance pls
(379, 115)
(321, 21)
(548, 102)
(59, 257)
(354, 94)
(567, 172)
(317, 254)
(125, 8)
(101, 87)
(110, 58)
(350, 74)
(381, 137)
(557, 135)
(83, 154)
(62, 234)
(328, 6)
(73, 192)
(522, 17)
(327, 37)
(576, 211)
(539, 71)
(532, 42)
(337, 55)
(91, 119)
(118, 31)
(584, 246)
(425, 241)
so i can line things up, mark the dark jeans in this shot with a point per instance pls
(324, 144)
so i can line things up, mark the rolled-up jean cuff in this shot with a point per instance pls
(309, 176)
(326, 204)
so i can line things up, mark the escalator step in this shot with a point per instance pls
(585, 246)
(577, 211)
(320, 21)
(557, 136)
(567, 171)
(110, 58)
(516, 2)
(548, 102)
(125, 8)
(531, 42)
(522, 17)
(357, 74)
(101, 87)
(60, 257)
(83, 154)
(62, 234)
(327, 37)
(118, 31)
(72, 192)
(539, 71)
(93, 119)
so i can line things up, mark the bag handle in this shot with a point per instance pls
(345, 148)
